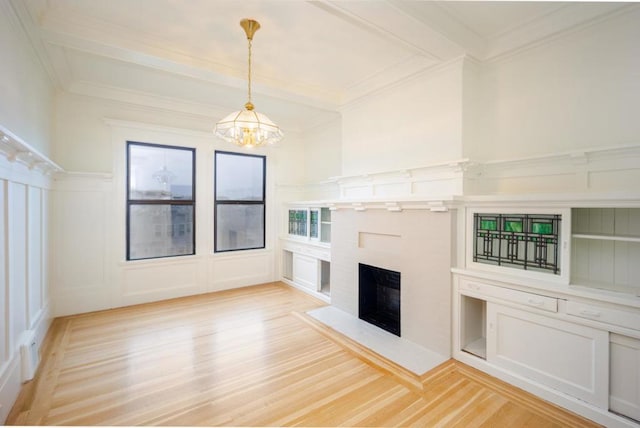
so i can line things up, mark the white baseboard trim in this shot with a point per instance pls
(10, 384)
(315, 294)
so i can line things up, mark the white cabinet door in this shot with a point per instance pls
(565, 356)
(625, 376)
(305, 271)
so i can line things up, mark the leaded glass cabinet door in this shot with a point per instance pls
(298, 222)
(531, 243)
(314, 224)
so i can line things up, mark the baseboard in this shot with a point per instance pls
(10, 385)
(325, 298)
(10, 372)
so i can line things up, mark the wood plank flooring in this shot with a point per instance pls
(251, 357)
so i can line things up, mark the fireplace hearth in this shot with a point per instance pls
(379, 297)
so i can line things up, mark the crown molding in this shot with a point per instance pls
(437, 16)
(152, 102)
(21, 16)
(427, 71)
(556, 25)
(145, 99)
(102, 39)
(383, 20)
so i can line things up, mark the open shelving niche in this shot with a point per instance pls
(606, 249)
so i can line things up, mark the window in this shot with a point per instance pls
(239, 201)
(160, 201)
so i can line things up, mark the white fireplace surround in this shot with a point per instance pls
(416, 243)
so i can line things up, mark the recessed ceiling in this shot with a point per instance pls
(318, 55)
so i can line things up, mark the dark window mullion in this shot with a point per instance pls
(160, 202)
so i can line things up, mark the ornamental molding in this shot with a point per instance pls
(16, 150)
(596, 176)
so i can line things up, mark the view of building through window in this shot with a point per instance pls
(239, 201)
(160, 202)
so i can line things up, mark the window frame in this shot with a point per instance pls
(184, 202)
(216, 202)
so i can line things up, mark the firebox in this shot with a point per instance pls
(379, 297)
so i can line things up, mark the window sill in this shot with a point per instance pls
(161, 261)
(241, 253)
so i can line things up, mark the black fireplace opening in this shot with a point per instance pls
(379, 297)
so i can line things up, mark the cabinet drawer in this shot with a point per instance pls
(521, 297)
(605, 315)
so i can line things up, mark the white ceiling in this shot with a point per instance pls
(319, 55)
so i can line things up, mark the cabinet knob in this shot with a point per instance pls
(533, 302)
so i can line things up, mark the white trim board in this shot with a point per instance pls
(407, 354)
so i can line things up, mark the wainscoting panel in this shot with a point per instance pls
(24, 299)
(239, 270)
(80, 230)
(17, 255)
(4, 318)
(34, 250)
(151, 281)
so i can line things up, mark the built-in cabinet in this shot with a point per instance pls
(624, 357)
(310, 223)
(306, 253)
(569, 329)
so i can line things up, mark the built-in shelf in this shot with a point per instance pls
(477, 348)
(606, 286)
(602, 237)
(605, 249)
(17, 150)
(473, 315)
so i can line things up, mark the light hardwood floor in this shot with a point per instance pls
(251, 357)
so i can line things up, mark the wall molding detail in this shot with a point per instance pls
(17, 150)
(593, 174)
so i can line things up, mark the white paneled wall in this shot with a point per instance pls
(90, 271)
(80, 231)
(24, 297)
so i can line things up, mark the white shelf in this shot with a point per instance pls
(477, 348)
(603, 237)
(606, 286)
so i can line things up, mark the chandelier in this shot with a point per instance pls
(248, 128)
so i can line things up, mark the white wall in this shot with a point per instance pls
(579, 91)
(89, 268)
(412, 123)
(25, 88)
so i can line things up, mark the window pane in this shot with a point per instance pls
(239, 177)
(160, 173)
(160, 231)
(239, 227)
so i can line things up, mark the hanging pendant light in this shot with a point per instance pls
(248, 128)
